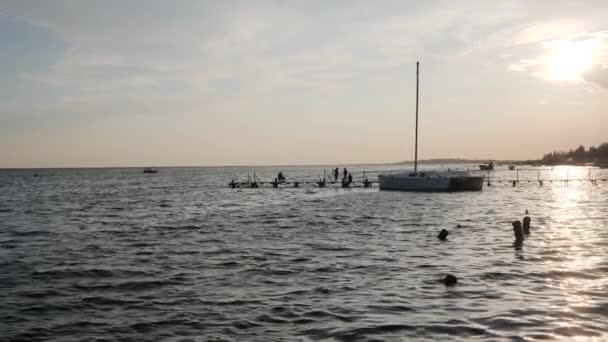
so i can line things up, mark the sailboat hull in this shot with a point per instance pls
(433, 182)
(400, 183)
(466, 183)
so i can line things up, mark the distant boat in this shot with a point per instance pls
(429, 180)
(150, 170)
(487, 167)
(511, 167)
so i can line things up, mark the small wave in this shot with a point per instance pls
(331, 248)
(361, 333)
(598, 309)
(572, 331)
(28, 233)
(390, 308)
(87, 273)
(243, 325)
(99, 300)
(231, 302)
(141, 285)
(584, 274)
(270, 319)
(326, 269)
(228, 264)
(42, 294)
(320, 314)
(219, 251)
(498, 276)
(296, 260)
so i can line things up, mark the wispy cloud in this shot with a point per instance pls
(578, 58)
(334, 66)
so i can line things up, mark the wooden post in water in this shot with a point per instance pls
(519, 234)
(526, 227)
(416, 142)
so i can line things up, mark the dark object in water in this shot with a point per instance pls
(526, 227)
(443, 234)
(526, 213)
(150, 170)
(519, 234)
(449, 280)
(35, 175)
(487, 167)
(458, 226)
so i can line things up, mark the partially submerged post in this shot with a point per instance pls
(519, 234)
(526, 227)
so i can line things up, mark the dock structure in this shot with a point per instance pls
(512, 180)
(301, 184)
(349, 182)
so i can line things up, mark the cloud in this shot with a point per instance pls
(598, 76)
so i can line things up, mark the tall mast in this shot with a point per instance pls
(416, 144)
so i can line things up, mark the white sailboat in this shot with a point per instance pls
(429, 180)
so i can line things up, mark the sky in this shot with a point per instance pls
(189, 82)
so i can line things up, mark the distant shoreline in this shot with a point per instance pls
(447, 161)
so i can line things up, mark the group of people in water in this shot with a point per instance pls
(347, 178)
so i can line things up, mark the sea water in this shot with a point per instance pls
(118, 255)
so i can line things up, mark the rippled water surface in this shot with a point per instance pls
(113, 254)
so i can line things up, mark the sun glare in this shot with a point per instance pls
(568, 60)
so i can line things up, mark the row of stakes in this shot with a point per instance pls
(519, 230)
(541, 182)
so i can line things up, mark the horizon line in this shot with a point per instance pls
(432, 160)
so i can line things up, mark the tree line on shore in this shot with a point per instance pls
(578, 156)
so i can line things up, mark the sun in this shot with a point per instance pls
(568, 60)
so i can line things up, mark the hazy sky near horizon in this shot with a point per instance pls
(133, 83)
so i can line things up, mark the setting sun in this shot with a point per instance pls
(568, 60)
